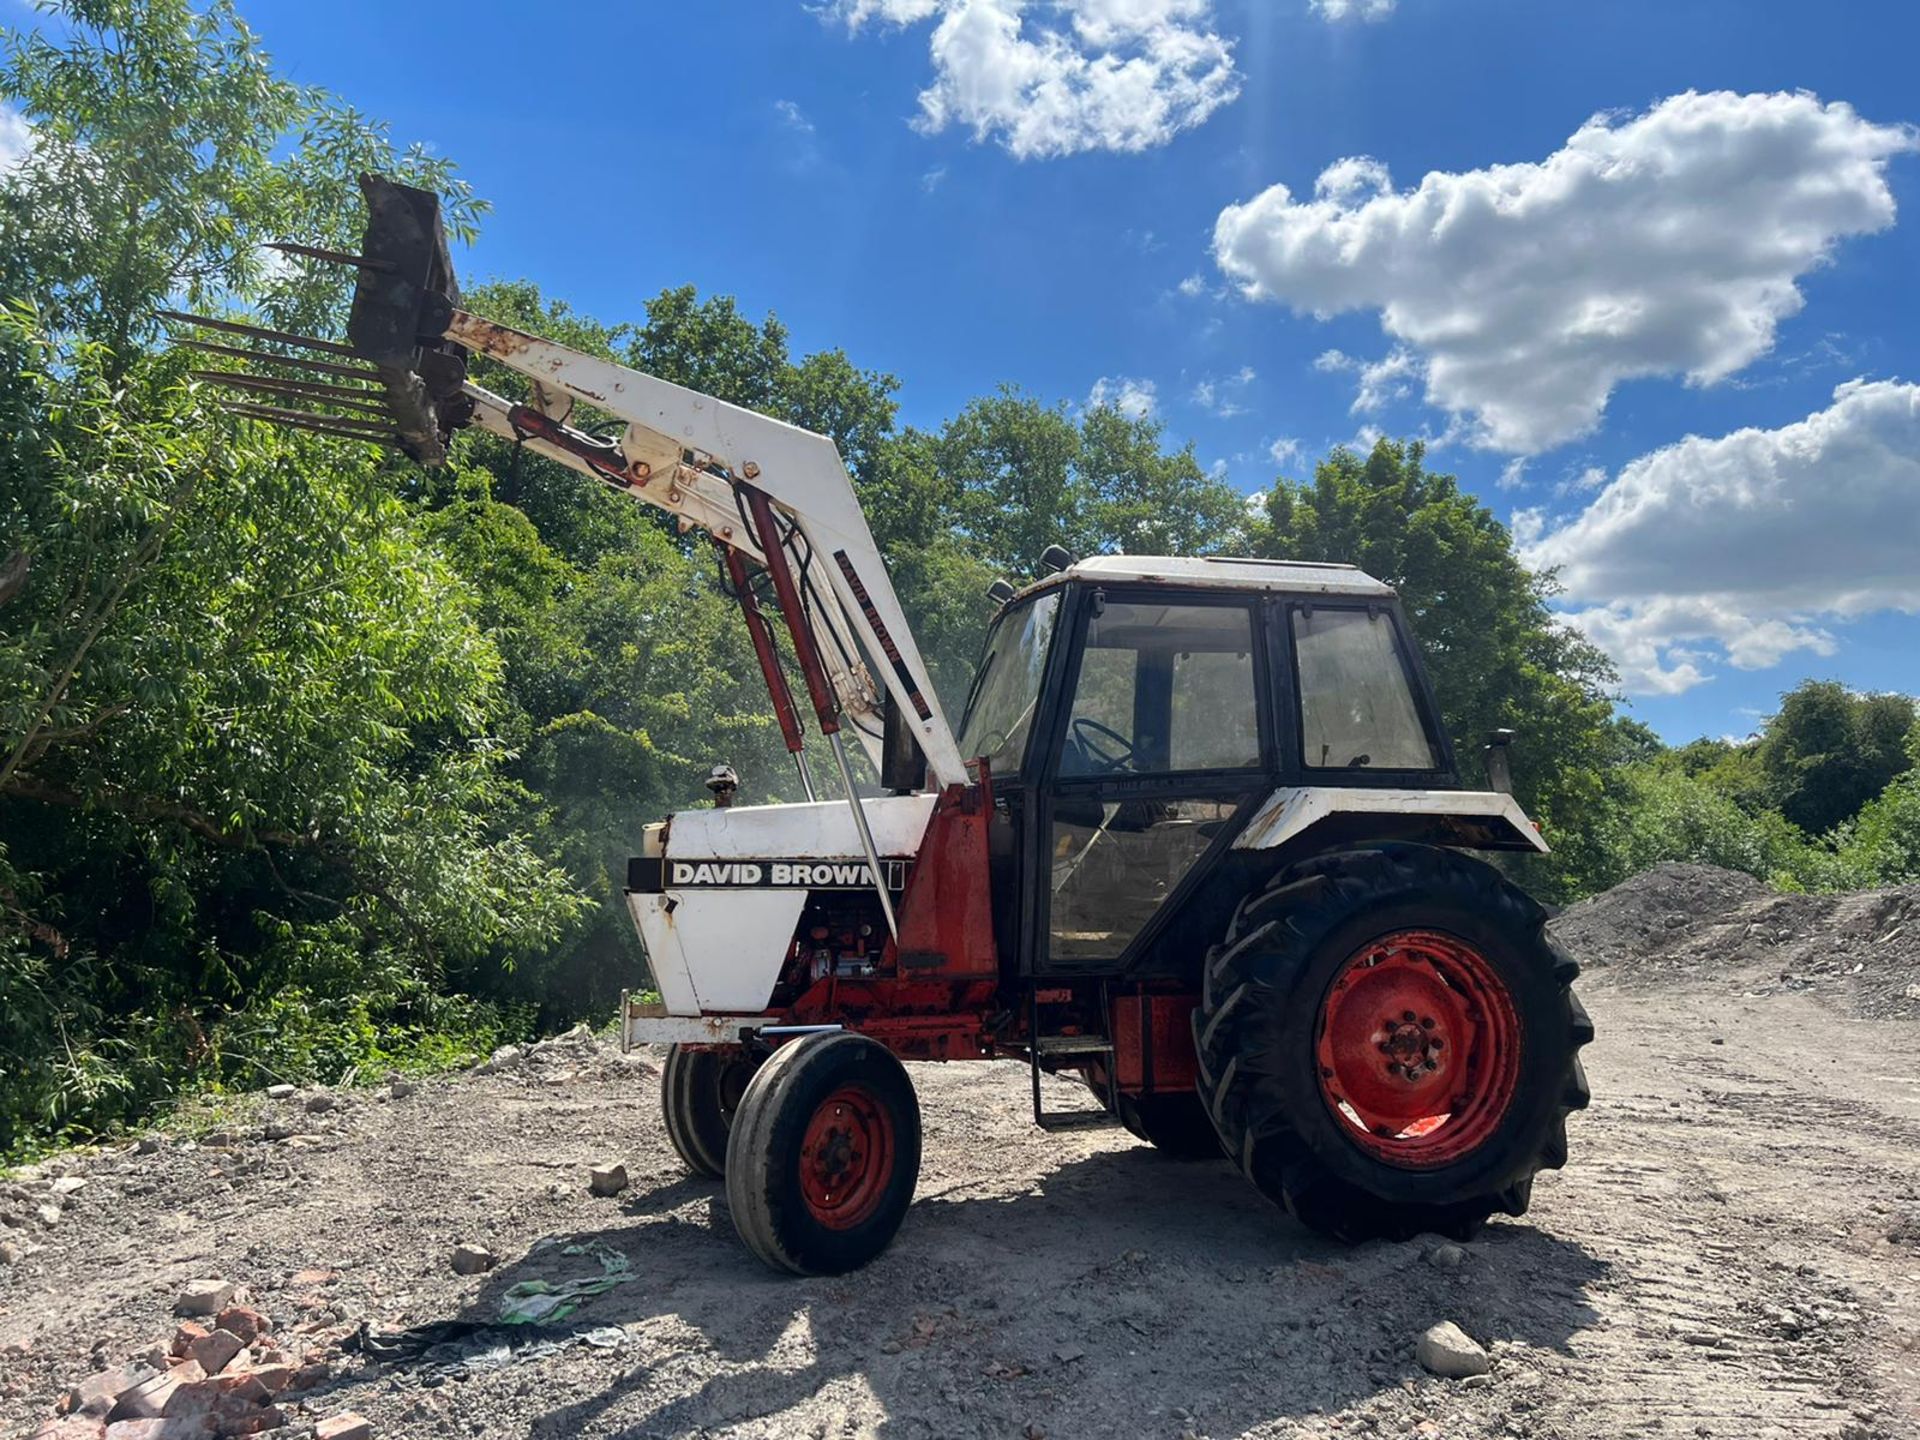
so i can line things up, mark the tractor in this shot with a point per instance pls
(1199, 841)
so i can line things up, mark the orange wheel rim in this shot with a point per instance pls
(1418, 1048)
(846, 1158)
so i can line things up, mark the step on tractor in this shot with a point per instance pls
(1199, 840)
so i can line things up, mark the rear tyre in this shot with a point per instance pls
(700, 1091)
(1173, 1122)
(1388, 1043)
(824, 1154)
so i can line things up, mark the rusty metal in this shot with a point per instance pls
(335, 257)
(313, 420)
(369, 402)
(268, 357)
(767, 529)
(257, 332)
(778, 689)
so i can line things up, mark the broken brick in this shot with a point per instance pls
(185, 1335)
(74, 1427)
(204, 1297)
(196, 1427)
(96, 1394)
(216, 1351)
(243, 1320)
(344, 1426)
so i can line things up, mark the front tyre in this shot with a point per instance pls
(700, 1091)
(824, 1154)
(1388, 1044)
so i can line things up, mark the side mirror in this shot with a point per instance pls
(1499, 761)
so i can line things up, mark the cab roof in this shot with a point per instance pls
(1224, 572)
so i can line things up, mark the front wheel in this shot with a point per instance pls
(824, 1154)
(700, 1091)
(1388, 1043)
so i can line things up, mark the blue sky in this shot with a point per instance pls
(1029, 228)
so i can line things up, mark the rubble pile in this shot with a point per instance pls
(1859, 949)
(226, 1371)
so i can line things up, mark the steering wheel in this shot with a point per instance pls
(1084, 728)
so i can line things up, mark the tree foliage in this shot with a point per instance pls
(1498, 658)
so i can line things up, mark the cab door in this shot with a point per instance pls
(1158, 748)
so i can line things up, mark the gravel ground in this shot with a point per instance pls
(1734, 1251)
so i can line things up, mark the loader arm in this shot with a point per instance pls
(700, 458)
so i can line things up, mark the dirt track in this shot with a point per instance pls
(1735, 1251)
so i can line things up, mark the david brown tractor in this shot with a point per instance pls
(1200, 840)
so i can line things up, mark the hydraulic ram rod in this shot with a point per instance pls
(773, 550)
(777, 688)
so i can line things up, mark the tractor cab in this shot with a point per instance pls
(1136, 714)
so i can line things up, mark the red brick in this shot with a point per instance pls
(185, 1335)
(344, 1426)
(216, 1351)
(246, 1322)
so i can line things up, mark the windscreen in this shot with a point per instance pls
(1007, 685)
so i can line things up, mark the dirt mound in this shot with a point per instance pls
(1641, 915)
(1860, 950)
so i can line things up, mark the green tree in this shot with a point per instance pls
(1497, 656)
(1830, 750)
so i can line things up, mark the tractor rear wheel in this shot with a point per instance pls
(700, 1090)
(1174, 1122)
(824, 1154)
(1388, 1043)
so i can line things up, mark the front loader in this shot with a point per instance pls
(1199, 840)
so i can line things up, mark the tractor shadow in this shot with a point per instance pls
(1118, 1289)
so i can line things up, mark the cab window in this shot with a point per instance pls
(1163, 688)
(1357, 705)
(1007, 685)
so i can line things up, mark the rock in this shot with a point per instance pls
(1447, 1257)
(214, 1351)
(279, 1130)
(560, 1191)
(1449, 1352)
(401, 1089)
(186, 1336)
(73, 1427)
(500, 1059)
(249, 1324)
(180, 1427)
(321, 1103)
(607, 1179)
(10, 1253)
(275, 1377)
(147, 1145)
(48, 1215)
(472, 1259)
(67, 1185)
(1067, 1354)
(97, 1394)
(282, 1092)
(204, 1297)
(344, 1426)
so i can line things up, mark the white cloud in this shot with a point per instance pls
(933, 179)
(1223, 396)
(1285, 450)
(15, 137)
(1337, 10)
(1133, 398)
(1217, 470)
(1123, 75)
(1512, 475)
(1751, 543)
(792, 116)
(1667, 243)
(1382, 381)
(1193, 286)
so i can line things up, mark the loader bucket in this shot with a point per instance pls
(397, 381)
